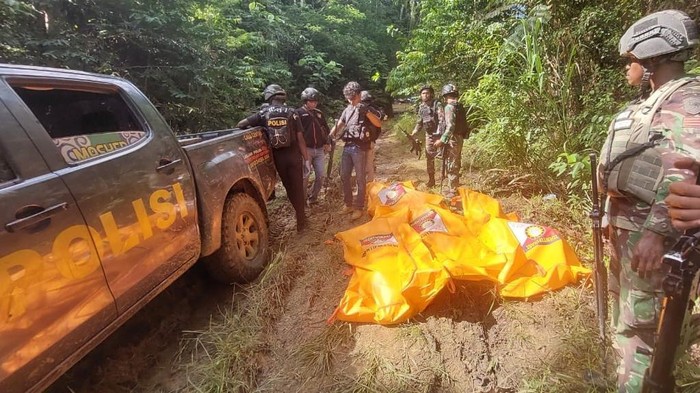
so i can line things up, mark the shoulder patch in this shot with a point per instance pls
(692, 105)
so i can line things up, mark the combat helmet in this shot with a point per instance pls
(450, 89)
(427, 87)
(310, 94)
(661, 33)
(366, 96)
(351, 89)
(273, 90)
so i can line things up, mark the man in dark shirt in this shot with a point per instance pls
(284, 135)
(318, 144)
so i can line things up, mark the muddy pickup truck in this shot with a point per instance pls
(102, 207)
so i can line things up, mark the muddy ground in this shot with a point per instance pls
(469, 341)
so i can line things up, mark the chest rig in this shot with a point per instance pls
(631, 167)
(429, 115)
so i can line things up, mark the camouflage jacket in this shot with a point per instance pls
(429, 117)
(678, 120)
(450, 120)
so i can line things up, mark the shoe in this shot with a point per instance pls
(356, 214)
(312, 201)
(347, 210)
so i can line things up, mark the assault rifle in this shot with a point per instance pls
(679, 283)
(443, 172)
(329, 168)
(600, 272)
(416, 145)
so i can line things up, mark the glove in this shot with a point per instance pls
(307, 168)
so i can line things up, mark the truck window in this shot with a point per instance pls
(83, 124)
(6, 173)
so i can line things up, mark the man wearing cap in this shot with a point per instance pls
(318, 144)
(638, 160)
(429, 118)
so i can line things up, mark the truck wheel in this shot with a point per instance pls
(244, 242)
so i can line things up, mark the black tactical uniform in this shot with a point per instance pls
(283, 130)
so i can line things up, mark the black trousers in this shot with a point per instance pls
(289, 164)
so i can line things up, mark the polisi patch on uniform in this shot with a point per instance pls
(277, 122)
(692, 105)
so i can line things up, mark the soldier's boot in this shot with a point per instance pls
(431, 180)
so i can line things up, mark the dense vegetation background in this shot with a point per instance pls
(542, 78)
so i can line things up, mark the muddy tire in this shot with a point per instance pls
(244, 242)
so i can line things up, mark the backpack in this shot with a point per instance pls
(461, 126)
(276, 127)
(360, 133)
(374, 131)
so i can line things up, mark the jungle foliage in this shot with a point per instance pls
(204, 63)
(542, 78)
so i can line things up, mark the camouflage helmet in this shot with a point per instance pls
(366, 96)
(273, 90)
(310, 94)
(351, 89)
(661, 33)
(449, 89)
(427, 87)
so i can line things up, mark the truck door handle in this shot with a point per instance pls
(36, 216)
(166, 165)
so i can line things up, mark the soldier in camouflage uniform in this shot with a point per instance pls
(637, 167)
(683, 199)
(429, 118)
(450, 140)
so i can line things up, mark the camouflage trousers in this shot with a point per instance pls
(430, 153)
(636, 305)
(453, 155)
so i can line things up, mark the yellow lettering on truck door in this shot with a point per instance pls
(166, 210)
(180, 197)
(17, 271)
(117, 244)
(75, 252)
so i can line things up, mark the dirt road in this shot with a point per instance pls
(273, 336)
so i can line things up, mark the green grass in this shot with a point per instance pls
(223, 357)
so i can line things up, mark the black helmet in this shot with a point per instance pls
(273, 90)
(310, 94)
(668, 32)
(351, 89)
(427, 87)
(366, 96)
(449, 89)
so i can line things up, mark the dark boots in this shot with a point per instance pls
(431, 181)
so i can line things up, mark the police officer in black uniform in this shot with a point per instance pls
(430, 114)
(286, 140)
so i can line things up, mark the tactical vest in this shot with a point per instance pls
(631, 167)
(276, 127)
(429, 116)
(461, 126)
(360, 132)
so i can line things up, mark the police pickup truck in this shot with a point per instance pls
(102, 207)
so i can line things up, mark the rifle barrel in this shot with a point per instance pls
(600, 272)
